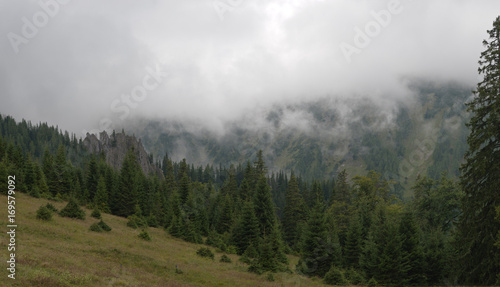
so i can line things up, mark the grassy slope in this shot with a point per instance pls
(63, 252)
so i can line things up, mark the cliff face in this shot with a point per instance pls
(116, 147)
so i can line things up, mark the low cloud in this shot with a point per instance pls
(86, 55)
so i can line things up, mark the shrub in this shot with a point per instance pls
(144, 235)
(35, 192)
(135, 221)
(225, 258)
(205, 252)
(72, 210)
(151, 221)
(334, 277)
(96, 213)
(354, 277)
(270, 277)
(51, 207)
(372, 282)
(96, 228)
(245, 259)
(43, 213)
(104, 226)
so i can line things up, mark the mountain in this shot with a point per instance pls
(425, 135)
(115, 149)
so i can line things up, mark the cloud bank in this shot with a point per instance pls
(88, 65)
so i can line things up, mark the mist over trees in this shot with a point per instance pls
(345, 229)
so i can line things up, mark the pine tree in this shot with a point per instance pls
(126, 198)
(101, 196)
(353, 244)
(264, 207)
(92, 177)
(479, 258)
(316, 254)
(294, 212)
(246, 230)
(412, 254)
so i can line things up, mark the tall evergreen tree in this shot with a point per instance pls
(126, 197)
(479, 260)
(264, 207)
(294, 212)
(316, 253)
(101, 196)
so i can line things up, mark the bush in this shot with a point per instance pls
(245, 259)
(372, 282)
(144, 235)
(135, 221)
(205, 252)
(43, 213)
(225, 258)
(151, 221)
(96, 213)
(335, 277)
(72, 210)
(35, 192)
(51, 207)
(354, 277)
(96, 228)
(104, 226)
(270, 277)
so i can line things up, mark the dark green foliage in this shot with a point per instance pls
(353, 244)
(72, 210)
(144, 235)
(151, 221)
(205, 252)
(101, 196)
(246, 230)
(354, 277)
(317, 252)
(479, 258)
(335, 277)
(264, 207)
(294, 213)
(126, 198)
(95, 227)
(43, 213)
(51, 207)
(224, 258)
(372, 282)
(104, 226)
(411, 251)
(270, 277)
(96, 213)
(135, 221)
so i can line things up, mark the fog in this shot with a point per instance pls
(89, 65)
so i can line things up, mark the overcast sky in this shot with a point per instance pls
(87, 65)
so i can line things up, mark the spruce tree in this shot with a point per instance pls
(412, 253)
(246, 230)
(126, 197)
(264, 207)
(353, 244)
(479, 260)
(101, 196)
(316, 254)
(294, 212)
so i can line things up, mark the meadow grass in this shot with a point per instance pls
(64, 252)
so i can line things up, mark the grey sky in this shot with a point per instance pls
(88, 64)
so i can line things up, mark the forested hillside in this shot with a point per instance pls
(344, 230)
(426, 135)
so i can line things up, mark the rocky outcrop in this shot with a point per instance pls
(115, 149)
